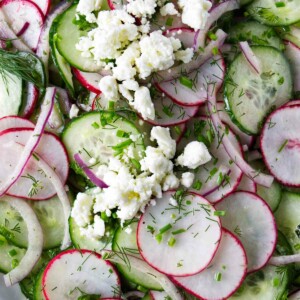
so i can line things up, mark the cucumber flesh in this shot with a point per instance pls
(38, 288)
(250, 97)
(50, 215)
(267, 12)
(127, 242)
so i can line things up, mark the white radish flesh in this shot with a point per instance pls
(223, 276)
(189, 231)
(251, 220)
(14, 122)
(247, 185)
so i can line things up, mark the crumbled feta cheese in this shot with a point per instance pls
(82, 209)
(143, 103)
(164, 140)
(168, 9)
(185, 55)
(87, 7)
(187, 179)
(73, 111)
(128, 230)
(141, 8)
(99, 226)
(194, 155)
(173, 201)
(109, 87)
(195, 12)
(170, 182)
(131, 85)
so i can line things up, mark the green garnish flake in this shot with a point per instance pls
(12, 252)
(187, 82)
(169, 22)
(135, 163)
(276, 282)
(159, 238)
(14, 263)
(122, 134)
(178, 231)
(122, 145)
(165, 228)
(215, 51)
(283, 146)
(281, 81)
(220, 178)
(171, 241)
(280, 4)
(95, 125)
(150, 229)
(212, 36)
(220, 213)
(218, 276)
(197, 185)
(213, 172)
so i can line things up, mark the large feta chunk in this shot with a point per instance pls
(141, 8)
(87, 7)
(109, 87)
(143, 103)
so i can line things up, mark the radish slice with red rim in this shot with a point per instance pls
(293, 102)
(75, 271)
(292, 52)
(188, 228)
(251, 220)
(32, 142)
(142, 266)
(32, 95)
(14, 122)
(35, 241)
(223, 276)
(251, 58)
(17, 13)
(168, 113)
(23, 29)
(280, 142)
(247, 185)
(191, 89)
(220, 176)
(32, 183)
(256, 176)
(185, 35)
(89, 80)
(44, 5)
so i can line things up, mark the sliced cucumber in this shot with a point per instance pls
(50, 215)
(97, 135)
(68, 35)
(255, 33)
(271, 195)
(126, 241)
(275, 13)
(38, 287)
(250, 97)
(288, 219)
(10, 94)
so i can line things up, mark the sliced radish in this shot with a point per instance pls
(32, 96)
(293, 102)
(32, 183)
(220, 176)
(44, 5)
(262, 179)
(198, 60)
(31, 143)
(185, 35)
(292, 52)
(142, 266)
(247, 185)
(88, 80)
(251, 58)
(168, 113)
(215, 13)
(75, 271)
(212, 71)
(294, 296)
(14, 122)
(280, 142)
(189, 230)
(17, 13)
(250, 218)
(254, 155)
(23, 29)
(155, 295)
(223, 276)
(35, 241)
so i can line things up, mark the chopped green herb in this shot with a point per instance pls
(178, 231)
(165, 228)
(220, 213)
(280, 4)
(169, 22)
(187, 82)
(218, 276)
(171, 241)
(283, 146)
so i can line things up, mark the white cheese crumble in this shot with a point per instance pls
(73, 111)
(195, 12)
(141, 8)
(194, 155)
(143, 103)
(187, 179)
(87, 7)
(168, 9)
(109, 87)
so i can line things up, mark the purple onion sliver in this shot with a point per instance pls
(89, 173)
(250, 57)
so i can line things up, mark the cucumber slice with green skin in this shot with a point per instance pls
(94, 135)
(127, 243)
(267, 12)
(250, 97)
(10, 94)
(68, 35)
(255, 34)
(38, 287)
(50, 215)
(271, 195)
(10, 255)
(288, 220)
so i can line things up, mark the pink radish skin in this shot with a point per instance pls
(88, 80)
(95, 276)
(50, 149)
(31, 100)
(192, 252)
(44, 5)
(17, 13)
(230, 261)
(12, 122)
(293, 102)
(212, 70)
(280, 144)
(252, 221)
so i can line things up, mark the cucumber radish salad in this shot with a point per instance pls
(150, 149)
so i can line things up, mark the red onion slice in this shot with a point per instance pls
(35, 241)
(284, 260)
(23, 29)
(33, 141)
(215, 13)
(89, 173)
(259, 178)
(250, 57)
